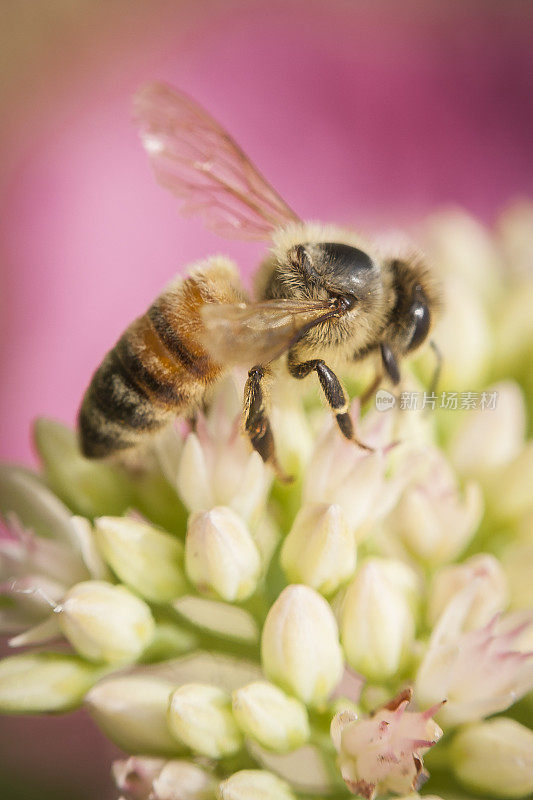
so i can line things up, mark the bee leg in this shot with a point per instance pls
(333, 391)
(256, 422)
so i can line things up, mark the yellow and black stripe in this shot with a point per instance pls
(158, 369)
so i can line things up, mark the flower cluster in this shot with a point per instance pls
(243, 639)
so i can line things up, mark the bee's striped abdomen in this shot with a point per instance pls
(158, 369)
(115, 410)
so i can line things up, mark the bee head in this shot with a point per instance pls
(337, 270)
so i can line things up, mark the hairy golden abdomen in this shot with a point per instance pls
(157, 370)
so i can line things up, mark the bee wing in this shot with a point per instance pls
(258, 333)
(194, 157)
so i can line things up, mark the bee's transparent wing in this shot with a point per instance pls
(258, 333)
(194, 157)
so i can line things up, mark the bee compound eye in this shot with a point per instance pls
(420, 315)
(349, 301)
(341, 304)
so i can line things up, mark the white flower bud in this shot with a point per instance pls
(432, 518)
(483, 570)
(488, 439)
(508, 491)
(132, 711)
(89, 487)
(495, 757)
(517, 561)
(145, 559)
(221, 619)
(25, 498)
(514, 330)
(300, 645)
(217, 466)
(347, 476)
(463, 247)
(268, 715)
(377, 624)
(320, 549)
(463, 335)
(220, 555)
(200, 717)
(34, 683)
(182, 780)
(292, 431)
(254, 784)
(105, 622)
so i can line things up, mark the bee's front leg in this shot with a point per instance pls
(256, 422)
(333, 391)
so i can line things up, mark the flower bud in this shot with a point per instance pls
(24, 497)
(461, 246)
(266, 714)
(300, 645)
(517, 561)
(432, 518)
(132, 712)
(348, 476)
(134, 777)
(320, 549)
(508, 491)
(377, 624)
(182, 780)
(200, 717)
(463, 335)
(488, 439)
(221, 619)
(482, 570)
(514, 330)
(87, 486)
(292, 431)
(105, 622)
(254, 784)
(34, 683)
(217, 466)
(494, 757)
(145, 559)
(220, 555)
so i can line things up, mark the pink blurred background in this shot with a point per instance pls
(363, 112)
(371, 113)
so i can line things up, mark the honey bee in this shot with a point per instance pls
(323, 296)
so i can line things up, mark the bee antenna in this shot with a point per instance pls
(438, 366)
